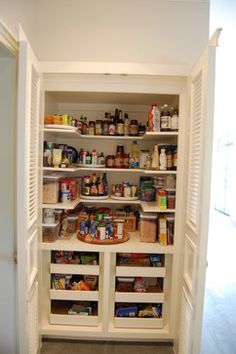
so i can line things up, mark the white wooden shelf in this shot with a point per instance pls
(155, 135)
(75, 133)
(139, 297)
(152, 207)
(128, 170)
(65, 206)
(75, 295)
(74, 320)
(133, 245)
(125, 322)
(109, 201)
(61, 169)
(74, 269)
(110, 137)
(124, 271)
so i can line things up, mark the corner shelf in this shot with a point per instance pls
(65, 206)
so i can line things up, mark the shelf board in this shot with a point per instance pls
(139, 297)
(107, 169)
(152, 207)
(60, 169)
(127, 170)
(65, 206)
(125, 322)
(126, 271)
(75, 133)
(62, 132)
(133, 245)
(74, 269)
(159, 172)
(110, 137)
(74, 320)
(154, 135)
(74, 295)
(109, 201)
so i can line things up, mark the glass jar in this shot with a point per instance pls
(110, 161)
(98, 127)
(91, 128)
(133, 128)
(105, 127)
(119, 161)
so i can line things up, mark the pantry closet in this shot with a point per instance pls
(179, 267)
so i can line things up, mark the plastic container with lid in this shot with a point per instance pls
(148, 227)
(50, 232)
(51, 189)
(72, 221)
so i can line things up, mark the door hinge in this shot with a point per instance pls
(15, 258)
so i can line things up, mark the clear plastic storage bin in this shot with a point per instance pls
(51, 189)
(51, 232)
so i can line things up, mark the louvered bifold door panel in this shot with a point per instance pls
(186, 323)
(32, 175)
(195, 145)
(33, 342)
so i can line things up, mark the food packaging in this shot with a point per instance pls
(148, 227)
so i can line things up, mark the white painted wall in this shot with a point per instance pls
(130, 31)
(153, 31)
(13, 12)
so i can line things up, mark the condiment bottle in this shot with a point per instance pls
(120, 125)
(169, 158)
(163, 160)
(175, 158)
(165, 118)
(155, 158)
(154, 119)
(175, 120)
(112, 127)
(126, 125)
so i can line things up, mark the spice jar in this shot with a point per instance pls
(91, 128)
(133, 128)
(98, 127)
(105, 127)
(74, 122)
(141, 129)
(110, 161)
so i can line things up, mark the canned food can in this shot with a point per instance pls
(65, 196)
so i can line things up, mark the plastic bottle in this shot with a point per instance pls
(134, 155)
(94, 157)
(154, 119)
(155, 158)
(163, 160)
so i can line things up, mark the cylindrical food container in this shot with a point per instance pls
(72, 221)
(170, 198)
(148, 227)
(51, 189)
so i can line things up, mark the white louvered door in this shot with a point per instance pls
(201, 85)
(28, 198)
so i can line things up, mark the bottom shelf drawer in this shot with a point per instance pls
(77, 313)
(121, 322)
(73, 320)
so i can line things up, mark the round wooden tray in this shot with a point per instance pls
(89, 239)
